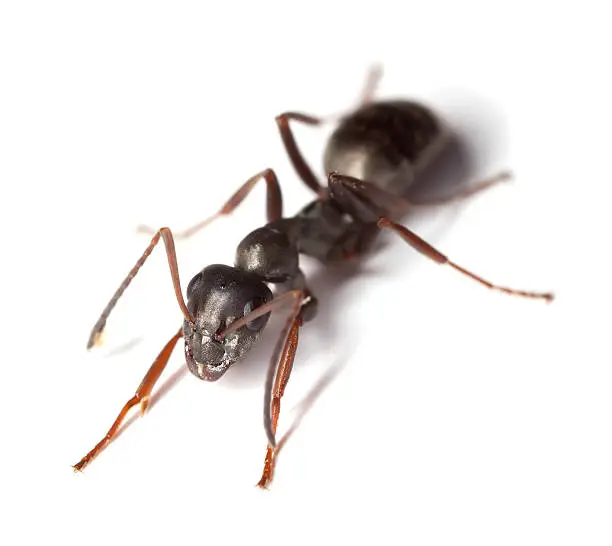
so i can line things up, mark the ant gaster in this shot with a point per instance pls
(372, 158)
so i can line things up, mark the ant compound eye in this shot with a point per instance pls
(257, 324)
(194, 284)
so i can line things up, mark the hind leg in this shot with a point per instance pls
(363, 201)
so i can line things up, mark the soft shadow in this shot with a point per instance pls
(453, 170)
(168, 385)
(309, 400)
(124, 348)
(329, 284)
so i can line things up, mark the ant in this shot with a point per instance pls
(372, 158)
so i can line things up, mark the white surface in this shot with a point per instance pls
(459, 417)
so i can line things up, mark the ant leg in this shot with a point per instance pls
(140, 397)
(297, 159)
(165, 234)
(429, 251)
(300, 299)
(278, 390)
(361, 200)
(275, 391)
(300, 165)
(280, 366)
(274, 202)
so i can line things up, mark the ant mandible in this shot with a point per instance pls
(372, 158)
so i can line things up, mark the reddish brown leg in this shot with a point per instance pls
(297, 159)
(141, 397)
(274, 202)
(430, 252)
(295, 155)
(280, 366)
(166, 235)
(278, 390)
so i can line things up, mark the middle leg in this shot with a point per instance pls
(300, 164)
(274, 204)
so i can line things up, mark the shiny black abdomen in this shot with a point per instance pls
(386, 143)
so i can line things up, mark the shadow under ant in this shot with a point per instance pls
(330, 283)
(453, 169)
(124, 347)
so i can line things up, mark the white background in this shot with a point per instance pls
(457, 416)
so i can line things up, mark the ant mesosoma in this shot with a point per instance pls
(372, 158)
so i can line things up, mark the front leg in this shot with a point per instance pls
(283, 373)
(141, 397)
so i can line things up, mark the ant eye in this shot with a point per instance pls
(193, 284)
(257, 324)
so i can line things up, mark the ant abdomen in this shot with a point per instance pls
(384, 142)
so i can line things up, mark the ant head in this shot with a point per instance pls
(216, 297)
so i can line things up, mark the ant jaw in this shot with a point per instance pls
(206, 372)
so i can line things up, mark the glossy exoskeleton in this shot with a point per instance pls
(372, 158)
